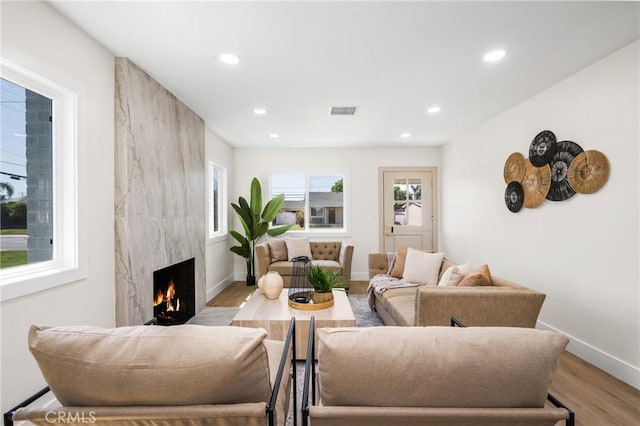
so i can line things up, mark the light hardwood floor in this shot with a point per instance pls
(596, 398)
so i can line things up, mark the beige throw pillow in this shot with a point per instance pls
(479, 277)
(454, 274)
(277, 249)
(398, 262)
(422, 268)
(298, 247)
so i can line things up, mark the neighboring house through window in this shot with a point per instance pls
(312, 202)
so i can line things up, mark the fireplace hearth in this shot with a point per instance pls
(174, 293)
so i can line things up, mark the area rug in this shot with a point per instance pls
(364, 318)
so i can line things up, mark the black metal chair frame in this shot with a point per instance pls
(290, 341)
(455, 322)
(309, 373)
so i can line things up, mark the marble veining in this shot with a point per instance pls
(160, 210)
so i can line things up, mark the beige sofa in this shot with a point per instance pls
(154, 375)
(444, 376)
(332, 255)
(504, 303)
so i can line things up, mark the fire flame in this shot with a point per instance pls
(167, 298)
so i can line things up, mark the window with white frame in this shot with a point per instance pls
(39, 189)
(217, 200)
(312, 202)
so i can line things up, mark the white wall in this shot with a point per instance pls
(582, 252)
(218, 257)
(38, 38)
(361, 168)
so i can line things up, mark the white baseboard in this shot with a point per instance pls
(618, 368)
(216, 289)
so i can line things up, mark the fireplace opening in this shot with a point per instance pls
(174, 298)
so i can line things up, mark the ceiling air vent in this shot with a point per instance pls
(343, 110)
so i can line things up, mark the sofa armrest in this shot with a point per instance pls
(345, 258)
(478, 306)
(378, 264)
(262, 258)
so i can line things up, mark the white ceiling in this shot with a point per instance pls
(391, 59)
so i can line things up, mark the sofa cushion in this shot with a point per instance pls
(454, 274)
(402, 309)
(478, 277)
(329, 265)
(325, 250)
(277, 249)
(138, 365)
(422, 268)
(297, 247)
(442, 366)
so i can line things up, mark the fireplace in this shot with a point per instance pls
(174, 298)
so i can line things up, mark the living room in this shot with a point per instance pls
(569, 250)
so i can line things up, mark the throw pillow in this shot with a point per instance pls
(398, 262)
(454, 274)
(298, 247)
(277, 249)
(422, 268)
(479, 277)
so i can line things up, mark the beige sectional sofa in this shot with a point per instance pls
(444, 376)
(272, 255)
(504, 303)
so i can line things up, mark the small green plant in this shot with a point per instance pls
(322, 280)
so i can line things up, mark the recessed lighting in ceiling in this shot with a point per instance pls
(494, 55)
(274, 136)
(434, 109)
(405, 135)
(260, 111)
(229, 58)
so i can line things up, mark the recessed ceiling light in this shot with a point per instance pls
(274, 136)
(228, 58)
(405, 135)
(433, 109)
(494, 55)
(260, 111)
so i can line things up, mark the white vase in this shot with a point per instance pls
(260, 280)
(272, 285)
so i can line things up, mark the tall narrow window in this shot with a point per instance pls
(41, 243)
(312, 202)
(217, 201)
(26, 178)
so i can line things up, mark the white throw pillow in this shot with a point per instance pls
(454, 274)
(422, 268)
(297, 247)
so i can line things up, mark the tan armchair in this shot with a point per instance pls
(444, 376)
(154, 375)
(332, 255)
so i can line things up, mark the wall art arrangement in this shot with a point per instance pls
(554, 171)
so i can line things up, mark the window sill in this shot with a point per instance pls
(42, 278)
(217, 239)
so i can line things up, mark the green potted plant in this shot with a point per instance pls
(323, 282)
(255, 221)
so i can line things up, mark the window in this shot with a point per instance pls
(312, 202)
(40, 237)
(217, 201)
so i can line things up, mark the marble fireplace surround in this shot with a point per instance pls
(159, 190)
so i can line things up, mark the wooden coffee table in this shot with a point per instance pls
(274, 316)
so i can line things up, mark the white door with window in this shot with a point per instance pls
(409, 208)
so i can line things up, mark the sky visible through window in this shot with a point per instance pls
(293, 185)
(13, 162)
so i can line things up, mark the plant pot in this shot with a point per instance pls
(251, 280)
(322, 297)
(272, 285)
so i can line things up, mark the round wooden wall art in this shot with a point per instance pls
(555, 171)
